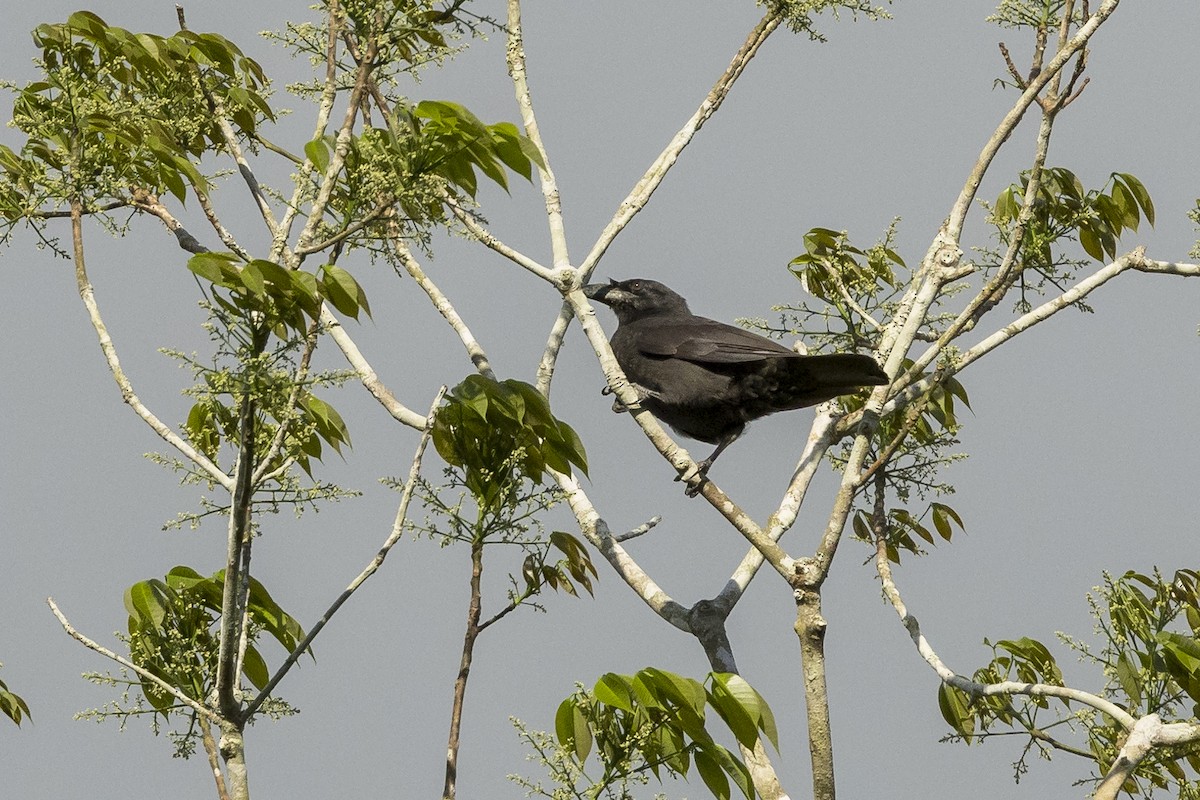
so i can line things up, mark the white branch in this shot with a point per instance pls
(515, 55)
(596, 531)
(485, 236)
(958, 212)
(88, 295)
(641, 192)
(442, 304)
(366, 373)
(948, 676)
(1149, 732)
(196, 706)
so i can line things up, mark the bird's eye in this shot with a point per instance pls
(635, 285)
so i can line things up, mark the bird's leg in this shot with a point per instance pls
(695, 479)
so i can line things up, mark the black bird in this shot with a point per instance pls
(708, 380)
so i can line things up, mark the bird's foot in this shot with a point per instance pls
(695, 478)
(618, 407)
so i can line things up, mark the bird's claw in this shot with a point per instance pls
(618, 407)
(695, 477)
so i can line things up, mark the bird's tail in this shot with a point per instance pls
(821, 378)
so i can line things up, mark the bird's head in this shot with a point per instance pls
(636, 298)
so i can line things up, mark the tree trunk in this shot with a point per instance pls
(810, 628)
(464, 670)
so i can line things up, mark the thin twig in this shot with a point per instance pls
(372, 215)
(646, 186)
(488, 239)
(1135, 259)
(324, 111)
(289, 412)
(650, 181)
(366, 373)
(958, 212)
(596, 531)
(342, 144)
(640, 530)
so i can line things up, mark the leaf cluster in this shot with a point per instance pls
(172, 633)
(12, 705)
(853, 283)
(656, 720)
(1024, 660)
(903, 528)
(250, 302)
(1150, 655)
(799, 15)
(575, 567)
(423, 153)
(284, 301)
(117, 109)
(1063, 211)
(500, 433)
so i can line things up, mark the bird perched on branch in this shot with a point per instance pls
(708, 380)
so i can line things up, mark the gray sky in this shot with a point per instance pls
(1083, 440)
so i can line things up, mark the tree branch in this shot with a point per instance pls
(342, 143)
(485, 236)
(515, 55)
(366, 373)
(596, 531)
(237, 564)
(210, 750)
(962, 205)
(1146, 734)
(1135, 259)
(289, 413)
(650, 181)
(324, 111)
(88, 296)
(949, 677)
(195, 705)
(442, 304)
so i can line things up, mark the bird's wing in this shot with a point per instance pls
(705, 341)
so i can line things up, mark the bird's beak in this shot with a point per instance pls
(598, 291)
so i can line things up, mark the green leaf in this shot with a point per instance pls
(733, 696)
(254, 668)
(1139, 193)
(1091, 243)
(145, 600)
(252, 278)
(317, 151)
(1127, 676)
(955, 710)
(13, 707)
(572, 729)
(712, 774)
(215, 268)
(343, 291)
(942, 515)
(614, 690)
